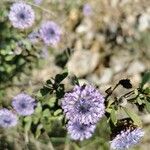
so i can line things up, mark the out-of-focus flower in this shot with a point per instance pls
(84, 104)
(87, 9)
(38, 2)
(7, 118)
(23, 104)
(127, 138)
(33, 37)
(21, 15)
(79, 131)
(44, 53)
(50, 33)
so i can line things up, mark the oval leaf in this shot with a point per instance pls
(147, 105)
(133, 116)
(113, 116)
(146, 78)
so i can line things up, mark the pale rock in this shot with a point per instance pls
(119, 39)
(114, 3)
(106, 76)
(83, 62)
(136, 67)
(146, 118)
(144, 22)
(85, 26)
(120, 62)
(78, 45)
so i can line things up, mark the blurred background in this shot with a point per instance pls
(102, 42)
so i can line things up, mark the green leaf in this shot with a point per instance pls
(139, 101)
(45, 90)
(113, 116)
(60, 77)
(27, 126)
(147, 106)
(110, 101)
(57, 112)
(49, 82)
(35, 119)
(74, 80)
(50, 102)
(46, 113)
(133, 116)
(108, 110)
(147, 90)
(38, 109)
(145, 79)
(38, 130)
(28, 119)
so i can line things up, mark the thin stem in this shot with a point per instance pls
(41, 8)
(26, 137)
(110, 93)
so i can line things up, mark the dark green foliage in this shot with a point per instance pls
(62, 58)
(125, 83)
(146, 79)
(48, 114)
(17, 54)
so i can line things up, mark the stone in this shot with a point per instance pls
(144, 22)
(136, 67)
(83, 62)
(106, 76)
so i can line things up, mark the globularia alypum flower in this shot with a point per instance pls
(83, 103)
(23, 104)
(50, 33)
(21, 15)
(87, 9)
(7, 118)
(79, 131)
(126, 139)
(125, 135)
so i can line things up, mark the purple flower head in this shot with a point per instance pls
(23, 104)
(50, 33)
(127, 138)
(79, 131)
(84, 104)
(7, 118)
(21, 15)
(87, 9)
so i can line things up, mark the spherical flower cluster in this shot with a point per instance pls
(23, 104)
(7, 118)
(127, 138)
(84, 104)
(83, 107)
(21, 15)
(50, 33)
(79, 131)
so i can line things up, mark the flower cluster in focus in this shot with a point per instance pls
(83, 107)
(126, 139)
